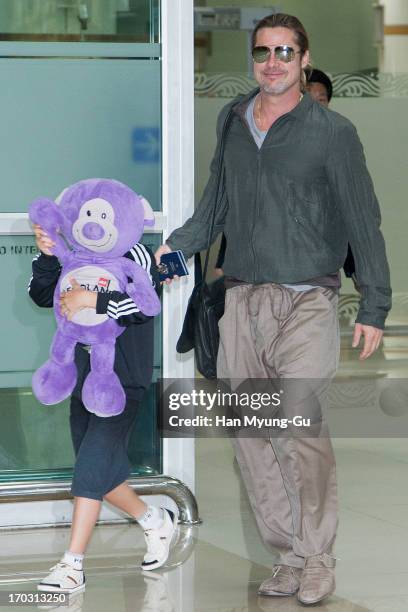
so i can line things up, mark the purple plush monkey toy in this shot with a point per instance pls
(101, 220)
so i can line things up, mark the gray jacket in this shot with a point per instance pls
(289, 209)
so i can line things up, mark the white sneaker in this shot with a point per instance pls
(158, 542)
(63, 579)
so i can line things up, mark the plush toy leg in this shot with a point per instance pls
(102, 392)
(55, 380)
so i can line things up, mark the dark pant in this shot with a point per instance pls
(100, 446)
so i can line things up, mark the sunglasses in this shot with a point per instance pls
(282, 53)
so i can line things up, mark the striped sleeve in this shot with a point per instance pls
(120, 306)
(143, 256)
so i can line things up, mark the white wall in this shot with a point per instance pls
(340, 32)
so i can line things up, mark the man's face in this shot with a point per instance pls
(276, 77)
(319, 93)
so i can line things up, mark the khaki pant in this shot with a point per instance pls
(269, 331)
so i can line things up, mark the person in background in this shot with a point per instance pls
(319, 86)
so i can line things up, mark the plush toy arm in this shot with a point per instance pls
(141, 290)
(46, 213)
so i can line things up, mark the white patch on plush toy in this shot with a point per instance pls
(95, 228)
(148, 212)
(91, 278)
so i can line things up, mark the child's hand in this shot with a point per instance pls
(44, 243)
(76, 299)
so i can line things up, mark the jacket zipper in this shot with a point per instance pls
(256, 209)
(251, 138)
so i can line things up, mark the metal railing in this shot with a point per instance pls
(40, 490)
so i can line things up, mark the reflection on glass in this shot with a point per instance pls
(35, 441)
(80, 20)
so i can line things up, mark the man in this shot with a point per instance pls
(320, 88)
(297, 190)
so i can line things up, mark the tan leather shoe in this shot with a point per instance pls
(285, 580)
(317, 581)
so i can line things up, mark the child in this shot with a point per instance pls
(100, 443)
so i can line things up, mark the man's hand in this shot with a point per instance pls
(44, 243)
(76, 299)
(372, 339)
(162, 250)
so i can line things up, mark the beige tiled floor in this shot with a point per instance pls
(209, 579)
(218, 566)
(372, 571)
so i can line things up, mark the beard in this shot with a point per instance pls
(276, 88)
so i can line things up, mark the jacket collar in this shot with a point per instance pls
(298, 112)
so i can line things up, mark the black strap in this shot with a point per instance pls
(198, 271)
(199, 275)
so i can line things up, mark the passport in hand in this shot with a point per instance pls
(172, 264)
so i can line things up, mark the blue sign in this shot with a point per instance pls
(146, 145)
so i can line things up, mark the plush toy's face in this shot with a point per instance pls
(103, 216)
(95, 227)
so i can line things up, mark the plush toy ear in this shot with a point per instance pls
(148, 212)
(46, 213)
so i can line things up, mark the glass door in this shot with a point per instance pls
(81, 97)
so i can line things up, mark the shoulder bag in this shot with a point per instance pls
(206, 304)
